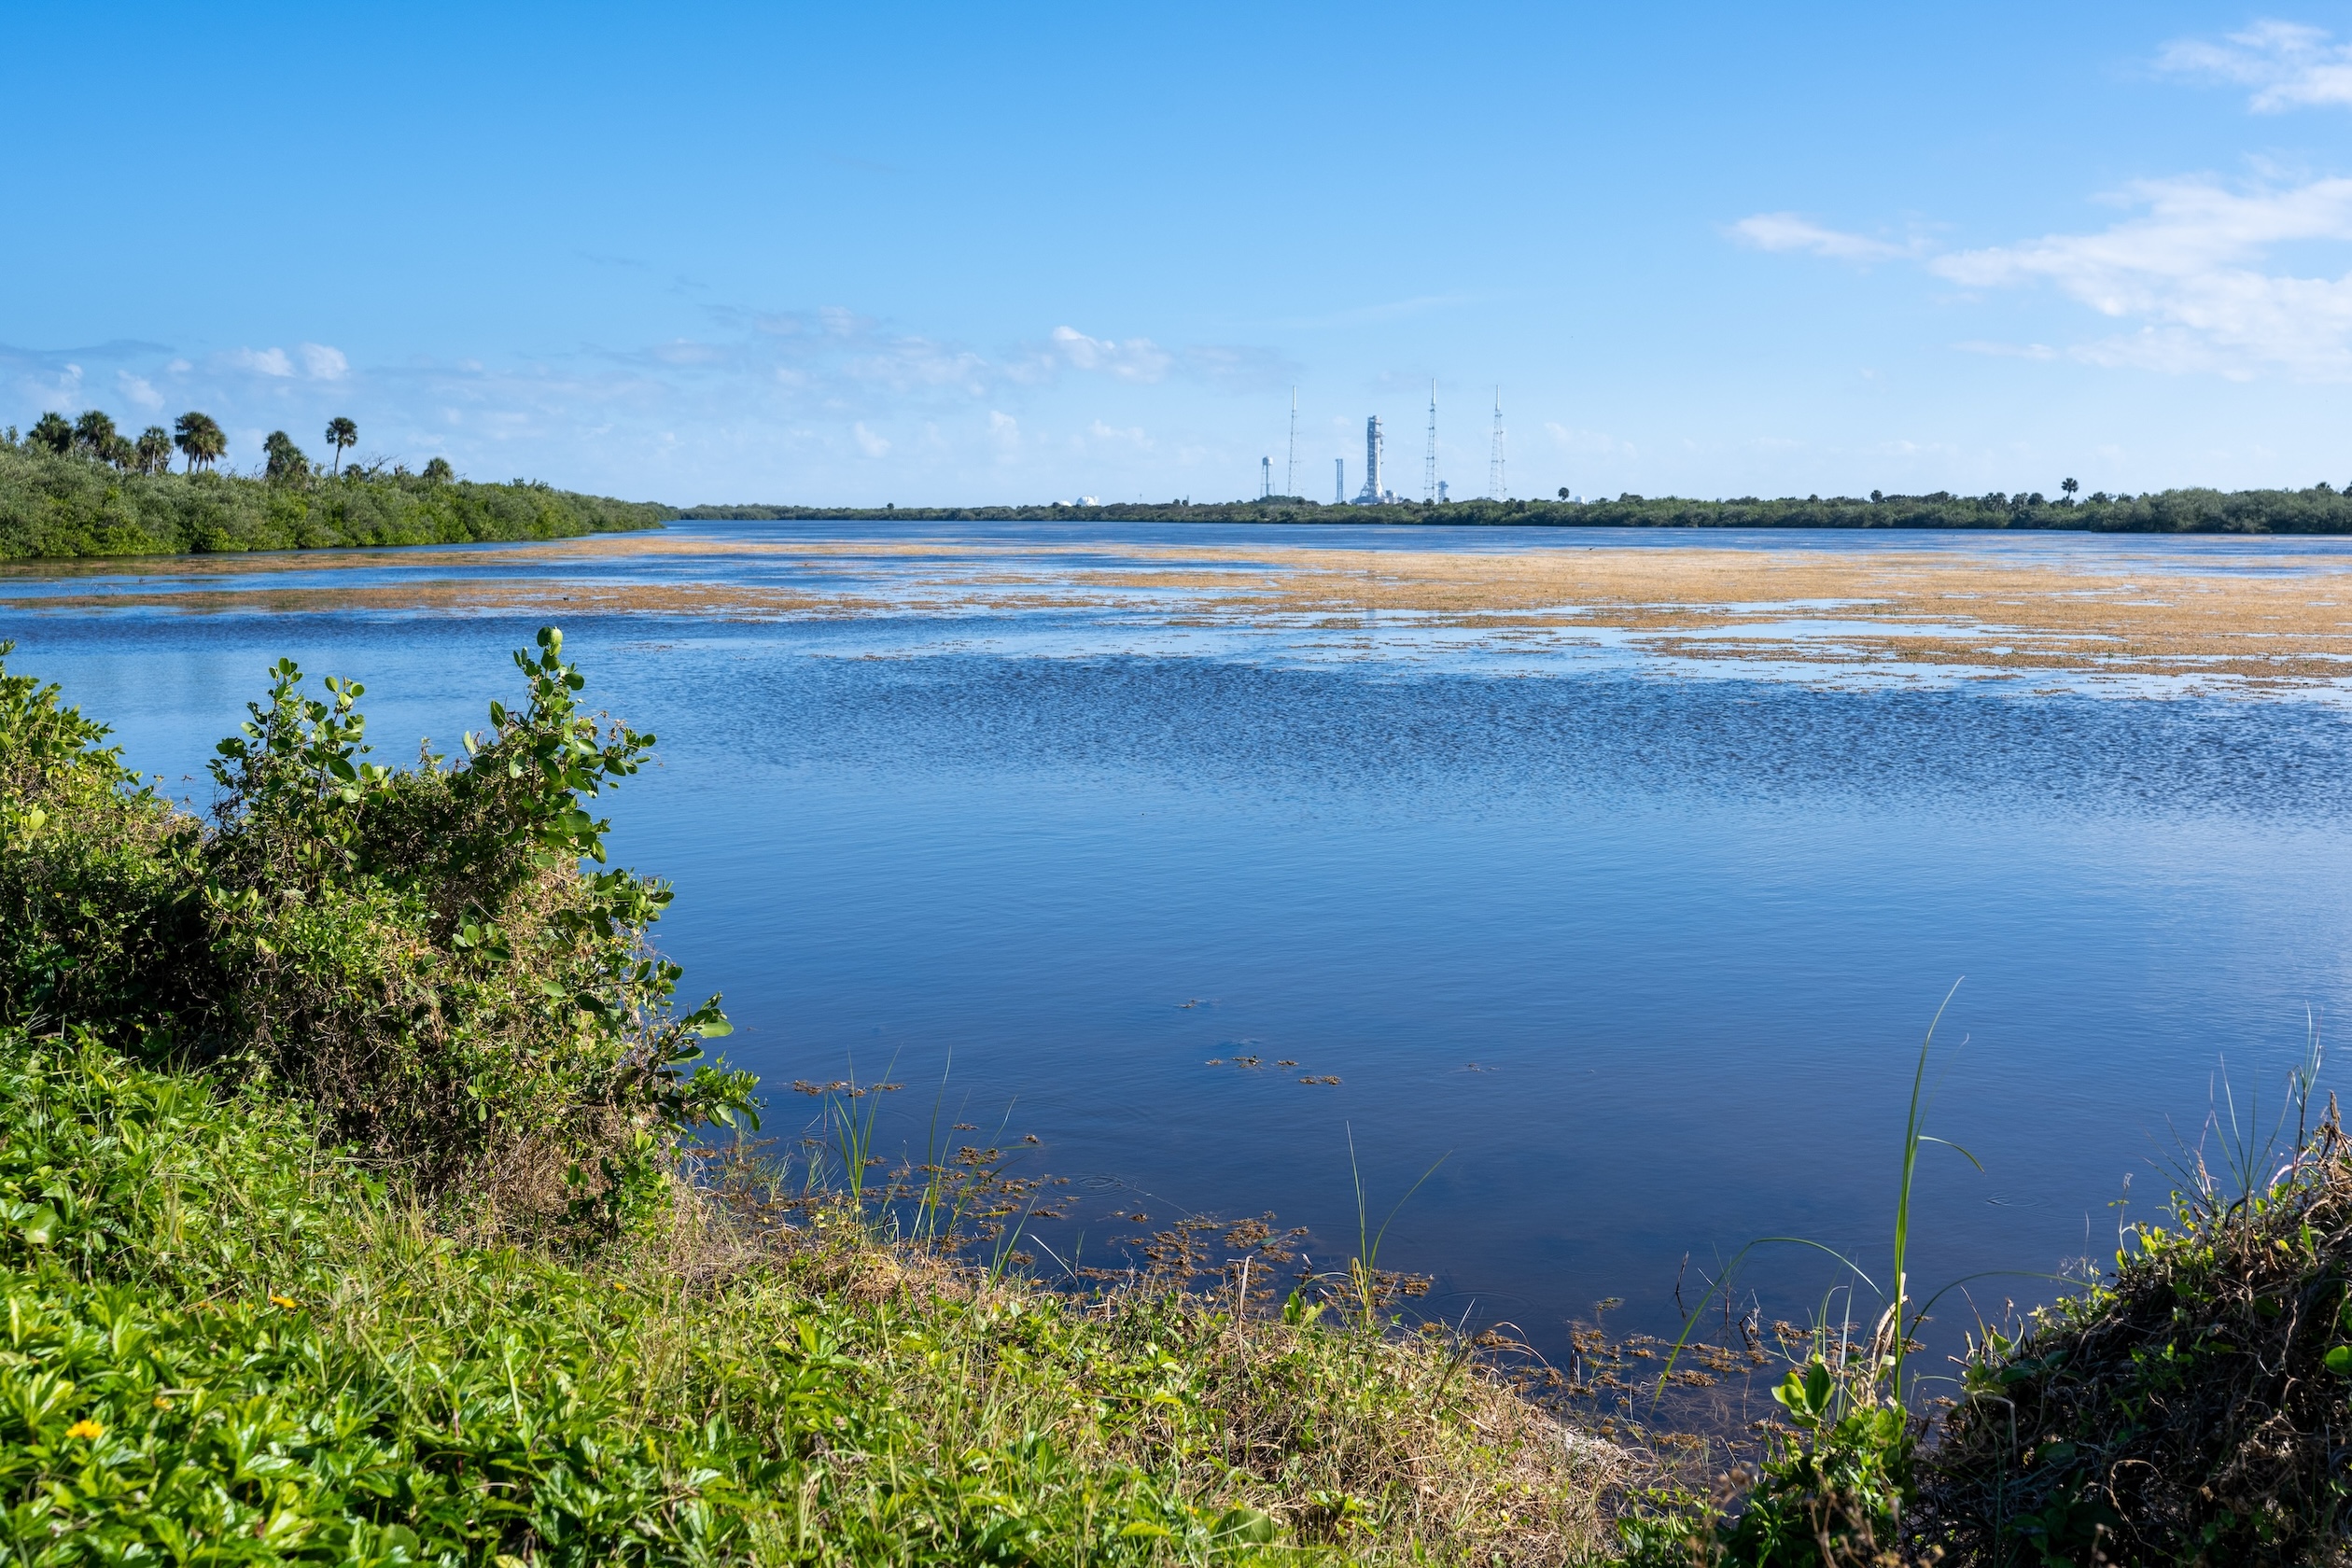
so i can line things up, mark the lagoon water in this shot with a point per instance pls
(1645, 953)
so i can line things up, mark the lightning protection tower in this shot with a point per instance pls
(1429, 463)
(1290, 471)
(1496, 489)
(1370, 494)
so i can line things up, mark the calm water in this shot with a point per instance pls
(1649, 957)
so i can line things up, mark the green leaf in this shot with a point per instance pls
(1243, 1526)
(2340, 1361)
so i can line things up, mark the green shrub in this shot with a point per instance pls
(59, 505)
(417, 951)
(2195, 1407)
(98, 916)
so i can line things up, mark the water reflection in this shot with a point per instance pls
(1649, 956)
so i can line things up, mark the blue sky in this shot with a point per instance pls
(929, 254)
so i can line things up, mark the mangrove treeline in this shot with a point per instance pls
(2320, 510)
(76, 502)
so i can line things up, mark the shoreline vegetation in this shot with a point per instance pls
(366, 1196)
(76, 503)
(2319, 510)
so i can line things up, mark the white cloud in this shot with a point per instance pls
(1787, 232)
(868, 442)
(1137, 360)
(1132, 436)
(323, 363)
(267, 361)
(1004, 432)
(919, 365)
(2187, 270)
(58, 385)
(2289, 65)
(139, 390)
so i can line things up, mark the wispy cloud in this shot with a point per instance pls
(812, 400)
(2187, 270)
(1137, 360)
(2289, 65)
(318, 363)
(265, 362)
(1785, 230)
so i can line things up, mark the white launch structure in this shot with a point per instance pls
(1496, 489)
(1370, 494)
(1429, 464)
(1290, 473)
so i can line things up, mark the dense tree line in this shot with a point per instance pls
(2322, 508)
(79, 487)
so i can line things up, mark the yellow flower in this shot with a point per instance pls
(285, 1301)
(85, 1429)
(619, 1286)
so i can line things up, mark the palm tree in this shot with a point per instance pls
(286, 462)
(153, 454)
(94, 433)
(200, 436)
(438, 471)
(2069, 486)
(52, 431)
(341, 432)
